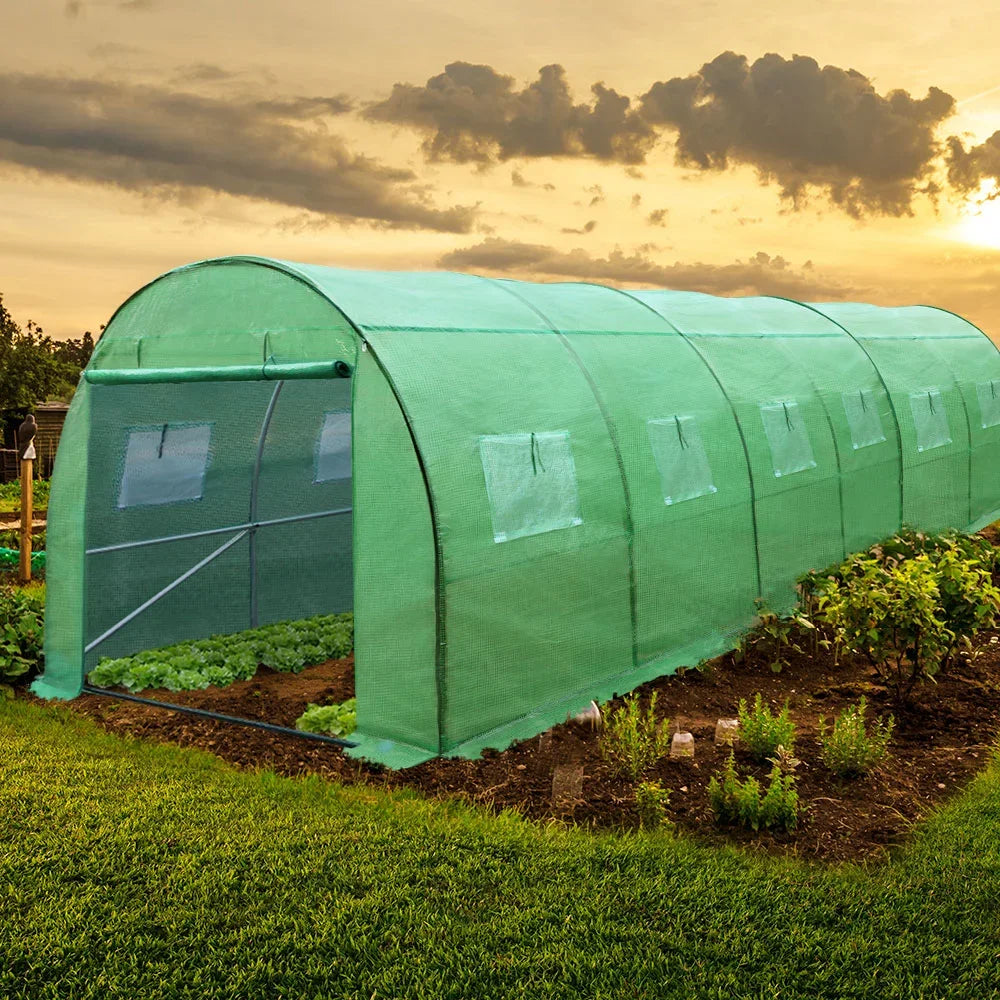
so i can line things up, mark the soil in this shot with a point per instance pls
(939, 744)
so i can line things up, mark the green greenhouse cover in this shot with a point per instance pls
(530, 495)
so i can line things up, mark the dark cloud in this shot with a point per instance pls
(588, 227)
(969, 168)
(597, 194)
(762, 274)
(658, 217)
(805, 127)
(519, 180)
(155, 140)
(471, 113)
(636, 200)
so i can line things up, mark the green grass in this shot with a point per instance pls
(133, 870)
(10, 495)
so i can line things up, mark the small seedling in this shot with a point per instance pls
(852, 748)
(632, 739)
(651, 802)
(741, 802)
(761, 732)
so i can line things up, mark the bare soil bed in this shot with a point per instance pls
(938, 746)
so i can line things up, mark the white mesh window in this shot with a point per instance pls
(164, 464)
(930, 419)
(530, 482)
(989, 402)
(863, 418)
(333, 451)
(680, 457)
(786, 433)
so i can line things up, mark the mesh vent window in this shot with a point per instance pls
(791, 450)
(333, 451)
(530, 482)
(863, 418)
(989, 402)
(680, 457)
(930, 419)
(164, 464)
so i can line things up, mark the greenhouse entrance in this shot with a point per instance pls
(224, 506)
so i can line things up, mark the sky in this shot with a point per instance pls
(820, 151)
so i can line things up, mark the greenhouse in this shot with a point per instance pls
(529, 495)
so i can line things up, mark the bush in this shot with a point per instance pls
(774, 635)
(740, 802)
(962, 567)
(223, 659)
(632, 740)
(761, 732)
(651, 801)
(889, 612)
(850, 748)
(334, 720)
(21, 634)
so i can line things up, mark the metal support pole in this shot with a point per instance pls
(254, 488)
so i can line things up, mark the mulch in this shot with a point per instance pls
(938, 746)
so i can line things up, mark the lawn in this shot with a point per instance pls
(136, 870)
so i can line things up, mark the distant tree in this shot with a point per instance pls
(31, 365)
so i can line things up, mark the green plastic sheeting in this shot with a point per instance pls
(531, 495)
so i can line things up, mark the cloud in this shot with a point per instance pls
(588, 227)
(74, 8)
(658, 217)
(969, 168)
(762, 274)
(636, 200)
(156, 140)
(518, 179)
(805, 127)
(472, 114)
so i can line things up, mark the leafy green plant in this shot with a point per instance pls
(632, 740)
(10, 538)
(21, 634)
(761, 732)
(741, 802)
(889, 612)
(651, 802)
(852, 748)
(774, 636)
(334, 720)
(10, 494)
(962, 567)
(223, 659)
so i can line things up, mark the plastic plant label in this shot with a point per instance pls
(989, 402)
(333, 451)
(680, 457)
(786, 433)
(530, 483)
(164, 464)
(863, 418)
(930, 419)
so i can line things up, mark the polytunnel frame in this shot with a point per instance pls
(241, 373)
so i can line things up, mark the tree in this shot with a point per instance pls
(32, 366)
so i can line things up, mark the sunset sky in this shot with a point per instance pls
(835, 150)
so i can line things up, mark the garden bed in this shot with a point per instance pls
(938, 745)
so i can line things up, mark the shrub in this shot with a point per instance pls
(889, 612)
(21, 634)
(851, 748)
(962, 567)
(632, 740)
(740, 802)
(651, 801)
(761, 732)
(334, 720)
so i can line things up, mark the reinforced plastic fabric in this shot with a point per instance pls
(530, 495)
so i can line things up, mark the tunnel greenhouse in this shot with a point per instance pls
(529, 495)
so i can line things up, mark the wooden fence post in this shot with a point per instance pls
(27, 486)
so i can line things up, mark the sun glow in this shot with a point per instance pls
(981, 217)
